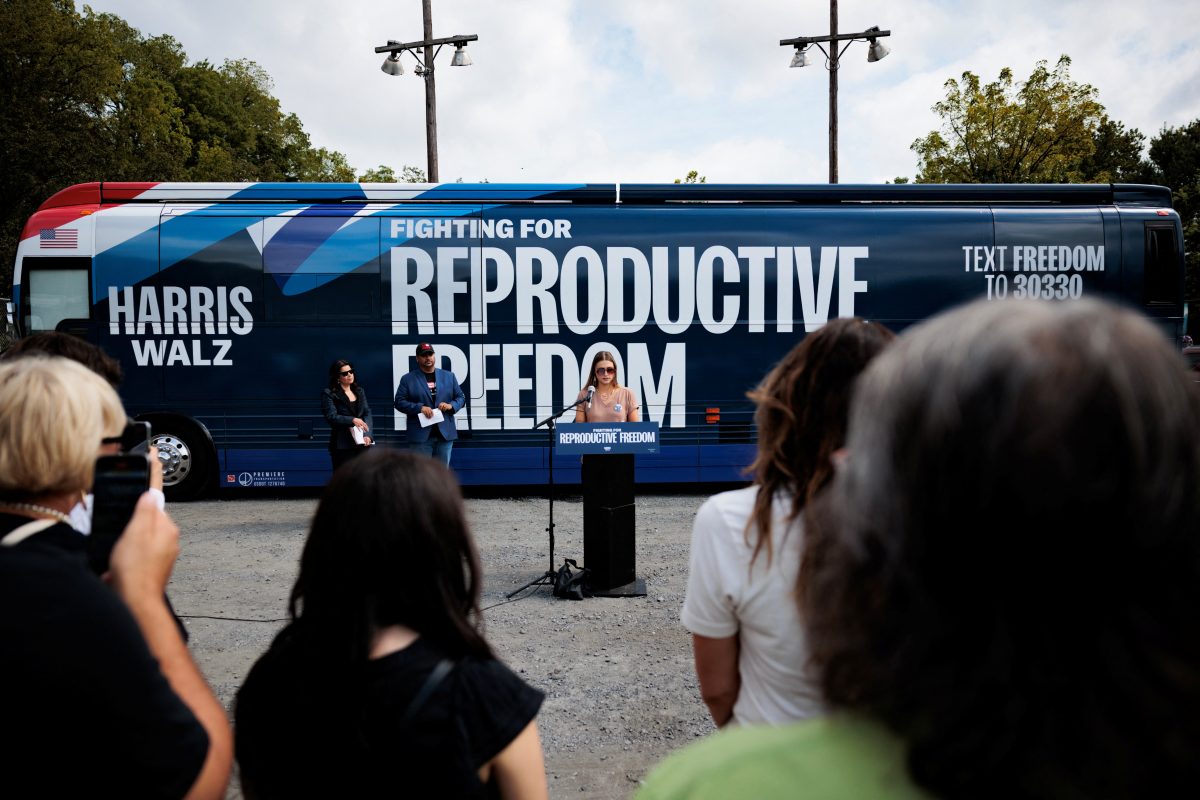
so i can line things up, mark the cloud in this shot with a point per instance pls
(644, 90)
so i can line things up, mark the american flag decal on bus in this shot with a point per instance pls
(58, 239)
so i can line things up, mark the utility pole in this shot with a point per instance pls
(833, 55)
(431, 154)
(429, 48)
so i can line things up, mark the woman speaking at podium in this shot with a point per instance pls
(608, 478)
(604, 399)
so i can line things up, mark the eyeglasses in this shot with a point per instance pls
(347, 372)
(605, 370)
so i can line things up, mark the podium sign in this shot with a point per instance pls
(609, 513)
(605, 438)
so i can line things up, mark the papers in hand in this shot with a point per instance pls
(435, 419)
(356, 433)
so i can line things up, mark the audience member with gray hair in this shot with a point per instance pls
(1005, 604)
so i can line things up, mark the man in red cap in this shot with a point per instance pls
(420, 392)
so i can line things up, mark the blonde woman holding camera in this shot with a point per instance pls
(100, 658)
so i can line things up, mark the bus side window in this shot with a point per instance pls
(1162, 266)
(54, 289)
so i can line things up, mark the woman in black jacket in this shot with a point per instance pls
(344, 405)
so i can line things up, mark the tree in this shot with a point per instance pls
(86, 97)
(693, 176)
(413, 175)
(57, 71)
(241, 133)
(137, 120)
(380, 174)
(1047, 129)
(1175, 156)
(1117, 156)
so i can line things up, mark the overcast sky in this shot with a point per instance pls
(645, 90)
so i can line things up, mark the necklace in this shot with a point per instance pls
(34, 508)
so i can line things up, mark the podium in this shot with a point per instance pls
(609, 510)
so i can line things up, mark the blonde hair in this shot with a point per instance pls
(53, 414)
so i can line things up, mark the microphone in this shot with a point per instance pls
(591, 391)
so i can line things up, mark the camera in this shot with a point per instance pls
(135, 438)
(120, 480)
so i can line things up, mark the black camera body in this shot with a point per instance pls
(120, 480)
(135, 438)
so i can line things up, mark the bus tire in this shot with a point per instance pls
(187, 455)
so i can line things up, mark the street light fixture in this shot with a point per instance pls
(391, 64)
(833, 55)
(461, 57)
(424, 69)
(878, 49)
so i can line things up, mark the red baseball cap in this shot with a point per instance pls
(424, 348)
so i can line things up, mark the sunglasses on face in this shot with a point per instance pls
(346, 372)
(605, 370)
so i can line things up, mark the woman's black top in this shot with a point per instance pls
(339, 411)
(301, 733)
(86, 712)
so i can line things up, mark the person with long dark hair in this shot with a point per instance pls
(383, 684)
(746, 544)
(1005, 605)
(610, 402)
(344, 406)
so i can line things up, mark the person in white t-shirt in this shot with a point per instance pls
(747, 544)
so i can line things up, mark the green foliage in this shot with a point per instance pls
(413, 175)
(1051, 129)
(51, 107)
(1175, 162)
(328, 165)
(380, 174)
(1117, 156)
(385, 174)
(85, 97)
(693, 177)
(242, 135)
(1047, 129)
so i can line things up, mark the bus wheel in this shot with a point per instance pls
(186, 457)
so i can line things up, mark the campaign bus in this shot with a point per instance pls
(225, 303)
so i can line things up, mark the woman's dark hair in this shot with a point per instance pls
(335, 368)
(56, 343)
(389, 545)
(603, 355)
(802, 407)
(1012, 575)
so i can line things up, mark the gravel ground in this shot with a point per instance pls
(617, 672)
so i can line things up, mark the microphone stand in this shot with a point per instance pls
(547, 577)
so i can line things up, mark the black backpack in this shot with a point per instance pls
(570, 585)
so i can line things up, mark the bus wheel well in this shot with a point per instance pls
(187, 453)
